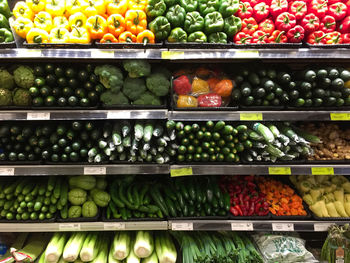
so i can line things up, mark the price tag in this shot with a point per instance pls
(321, 227)
(282, 227)
(340, 116)
(280, 171)
(118, 115)
(181, 172)
(38, 116)
(182, 226)
(114, 226)
(96, 53)
(92, 170)
(7, 171)
(173, 55)
(242, 227)
(322, 170)
(28, 53)
(246, 54)
(251, 116)
(69, 227)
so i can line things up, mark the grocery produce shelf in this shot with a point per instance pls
(82, 114)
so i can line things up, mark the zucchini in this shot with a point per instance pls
(254, 135)
(264, 131)
(274, 151)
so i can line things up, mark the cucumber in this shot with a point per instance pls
(254, 135)
(126, 128)
(158, 131)
(116, 135)
(148, 132)
(138, 130)
(264, 131)
(274, 151)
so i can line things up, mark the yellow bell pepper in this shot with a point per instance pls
(137, 5)
(79, 35)
(117, 7)
(78, 20)
(74, 6)
(55, 7)
(347, 84)
(60, 21)
(95, 7)
(36, 5)
(21, 9)
(37, 36)
(22, 26)
(59, 35)
(43, 20)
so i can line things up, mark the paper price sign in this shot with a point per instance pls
(95, 170)
(251, 116)
(173, 55)
(181, 172)
(321, 227)
(242, 227)
(246, 54)
(7, 171)
(280, 171)
(282, 227)
(38, 116)
(118, 115)
(28, 53)
(182, 226)
(322, 170)
(340, 116)
(114, 226)
(102, 53)
(69, 227)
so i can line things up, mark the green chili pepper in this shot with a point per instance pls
(208, 6)
(213, 23)
(177, 35)
(4, 23)
(160, 27)
(228, 7)
(176, 16)
(197, 36)
(155, 8)
(189, 5)
(194, 22)
(5, 9)
(232, 25)
(218, 37)
(170, 3)
(6, 35)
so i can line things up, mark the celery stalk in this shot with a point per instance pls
(90, 247)
(144, 245)
(55, 247)
(121, 245)
(72, 249)
(102, 254)
(151, 259)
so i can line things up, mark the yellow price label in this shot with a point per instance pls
(181, 172)
(322, 170)
(280, 171)
(246, 54)
(340, 116)
(95, 53)
(251, 116)
(173, 55)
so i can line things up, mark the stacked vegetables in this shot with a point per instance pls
(326, 195)
(5, 31)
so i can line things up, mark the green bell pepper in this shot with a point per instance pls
(5, 9)
(170, 3)
(194, 22)
(160, 27)
(176, 16)
(213, 22)
(155, 8)
(189, 5)
(4, 23)
(197, 36)
(218, 37)
(177, 35)
(228, 7)
(5, 35)
(208, 6)
(233, 25)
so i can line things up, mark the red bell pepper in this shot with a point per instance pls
(249, 25)
(331, 2)
(278, 37)
(182, 85)
(338, 11)
(285, 21)
(260, 37)
(254, 2)
(299, 9)
(328, 24)
(245, 10)
(333, 38)
(209, 100)
(261, 11)
(347, 3)
(344, 27)
(243, 38)
(278, 7)
(316, 38)
(346, 38)
(310, 23)
(295, 34)
(267, 26)
(318, 7)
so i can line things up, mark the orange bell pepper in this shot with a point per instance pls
(97, 26)
(116, 24)
(109, 38)
(145, 37)
(137, 4)
(117, 7)
(136, 21)
(127, 37)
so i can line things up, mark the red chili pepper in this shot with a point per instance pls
(278, 37)
(261, 11)
(278, 7)
(346, 38)
(249, 178)
(182, 85)
(333, 38)
(234, 211)
(285, 21)
(299, 9)
(310, 23)
(328, 24)
(295, 34)
(344, 27)
(316, 37)
(240, 198)
(251, 209)
(318, 7)
(245, 10)
(250, 184)
(338, 11)
(209, 100)
(257, 208)
(239, 210)
(249, 25)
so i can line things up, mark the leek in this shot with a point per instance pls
(151, 259)
(132, 258)
(144, 245)
(61, 260)
(35, 246)
(121, 245)
(72, 249)
(111, 258)
(165, 248)
(90, 247)
(55, 247)
(102, 254)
